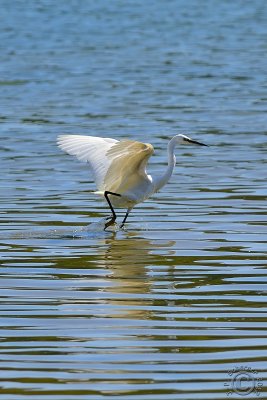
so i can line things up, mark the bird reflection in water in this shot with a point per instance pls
(129, 258)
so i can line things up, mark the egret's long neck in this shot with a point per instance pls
(162, 180)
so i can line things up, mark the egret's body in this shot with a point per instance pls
(119, 167)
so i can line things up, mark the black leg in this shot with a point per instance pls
(114, 216)
(124, 219)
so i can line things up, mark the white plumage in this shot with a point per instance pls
(89, 149)
(119, 167)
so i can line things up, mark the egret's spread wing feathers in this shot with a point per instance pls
(116, 165)
(128, 165)
(92, 150)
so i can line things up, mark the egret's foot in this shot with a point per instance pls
(109, 221)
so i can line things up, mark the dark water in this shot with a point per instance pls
(169, 307)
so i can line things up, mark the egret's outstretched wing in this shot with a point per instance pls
(89, 149)
(128, 165)
(117, 165)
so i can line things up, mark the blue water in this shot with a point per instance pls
(167, 308)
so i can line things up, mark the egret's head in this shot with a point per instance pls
(182, 139)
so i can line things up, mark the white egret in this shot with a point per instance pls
(119, 168)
